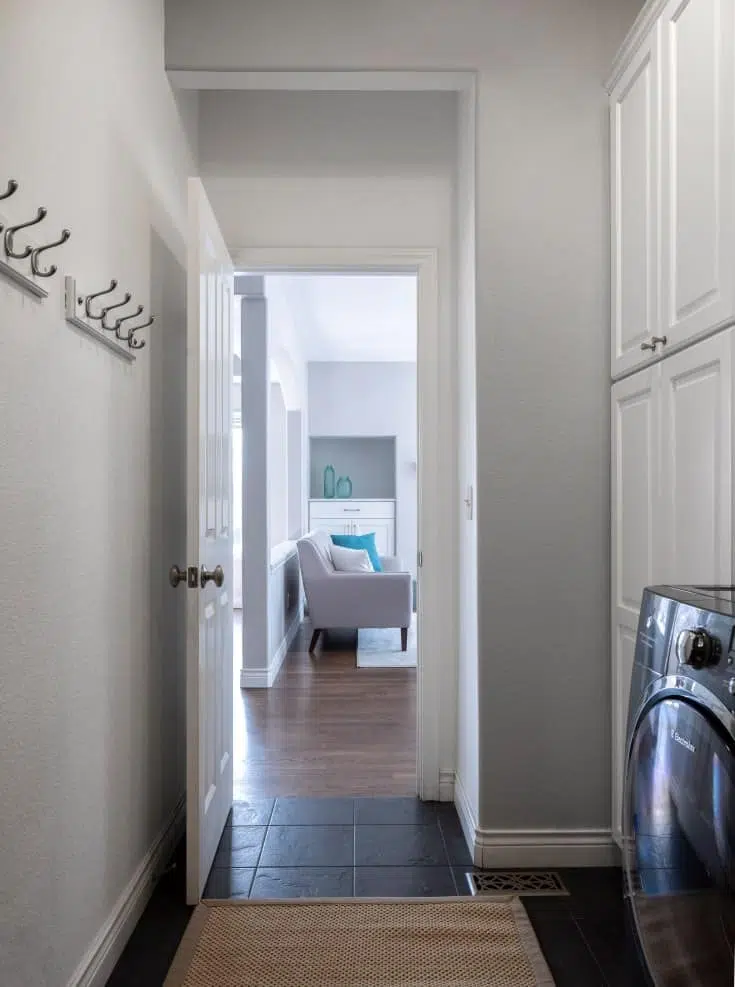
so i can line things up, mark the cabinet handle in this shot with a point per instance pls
(351, 510)
(660, 339)
(649, 346)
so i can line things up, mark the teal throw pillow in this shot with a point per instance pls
(365, 542)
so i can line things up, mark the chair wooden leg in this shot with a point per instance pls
(404, 639)
(314, 640)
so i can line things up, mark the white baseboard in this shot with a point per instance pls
(545, 848)
(98, 962)
(446, 786)
(263, 678)
(467, 818)
(501, 848)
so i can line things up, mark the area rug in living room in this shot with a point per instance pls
(356, 943)
(381, 647)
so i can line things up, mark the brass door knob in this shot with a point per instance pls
(217, 576)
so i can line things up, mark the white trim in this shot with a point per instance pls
(545, 848)
(446, 786)
(100, 958)
(643, 24)
(324, 81)
(437, 442)
(263, 678)
(466, 818)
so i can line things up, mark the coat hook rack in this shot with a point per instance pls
(7, 270)
(10, 190)
(10, 231)
(133, 342)
(72, 300)
(82, 299)
(109, 308)
(37, 251)
(126, 318)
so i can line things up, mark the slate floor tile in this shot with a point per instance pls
(404, 882)
(569, 958)
(411, 846)
(240, 846)
(308, 846)
(394, 811)
(313, 812)
(229, 883)
(303, 882)
(257, 812)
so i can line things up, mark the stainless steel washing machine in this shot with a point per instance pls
(679, 795)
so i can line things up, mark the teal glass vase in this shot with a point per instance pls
(329, 482)
(344, 487)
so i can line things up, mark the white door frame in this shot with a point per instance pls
(437, 444)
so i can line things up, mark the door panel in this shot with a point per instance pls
(635, 491)
(697, 463)
(209, 699)
(634, 112)
(698, 222)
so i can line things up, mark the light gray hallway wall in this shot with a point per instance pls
(92, 676)
(348, 399)
(542, 348)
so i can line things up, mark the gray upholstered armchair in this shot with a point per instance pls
(352, 599)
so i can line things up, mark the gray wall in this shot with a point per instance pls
(373, 399)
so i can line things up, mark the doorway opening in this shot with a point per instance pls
(327, 649)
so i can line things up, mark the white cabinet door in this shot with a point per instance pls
(696, 507)
(384, 529)
(635, 493)
(635, 175)
(698, 214)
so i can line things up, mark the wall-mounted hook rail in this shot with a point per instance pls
(133, 342)
(86, 299)
(109, 308)
(10, 190)
(125, 318)
(71, 300)
(37, 251)
(9, 236)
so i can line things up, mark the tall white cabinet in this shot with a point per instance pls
(672, 118)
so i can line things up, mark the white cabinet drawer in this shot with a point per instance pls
(353, 509)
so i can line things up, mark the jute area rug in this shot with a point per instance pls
(356, 943)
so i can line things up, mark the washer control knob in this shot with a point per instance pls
(731, 687)
(697, 648)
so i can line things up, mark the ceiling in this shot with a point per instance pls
(349, 317)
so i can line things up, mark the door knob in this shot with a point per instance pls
(217, 576)
(176, 575)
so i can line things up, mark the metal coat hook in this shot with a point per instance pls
(109, 308)
(12, 230)
(125, 318)
(97, 294)
(12, 187)
(133, 342)
(36, 253)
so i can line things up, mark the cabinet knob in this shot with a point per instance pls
(649, 346)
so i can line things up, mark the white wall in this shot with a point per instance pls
(373, 399)
(92, 686)
(542, 332)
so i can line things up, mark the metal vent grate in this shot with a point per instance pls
(488, 884)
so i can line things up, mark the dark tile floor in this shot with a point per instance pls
(397, 847)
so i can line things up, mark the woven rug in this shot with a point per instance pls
(354, 943)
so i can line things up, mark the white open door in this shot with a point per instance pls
(209, 677)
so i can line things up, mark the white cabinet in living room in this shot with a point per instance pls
(698, 218)
(635, 487)
(695, 508)
(635, 173)
(355, 517)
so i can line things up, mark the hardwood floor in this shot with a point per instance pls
(327, 727)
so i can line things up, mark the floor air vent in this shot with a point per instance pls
(492, 883)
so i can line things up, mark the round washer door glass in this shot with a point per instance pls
(679, 845)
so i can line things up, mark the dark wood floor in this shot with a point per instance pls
(327, 727)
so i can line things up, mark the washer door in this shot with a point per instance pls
(679, 845)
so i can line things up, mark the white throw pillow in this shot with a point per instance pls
(351, 559)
